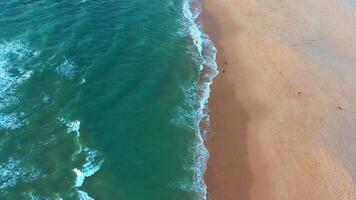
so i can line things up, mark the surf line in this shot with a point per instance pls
(208, 71)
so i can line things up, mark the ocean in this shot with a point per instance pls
(103, 99)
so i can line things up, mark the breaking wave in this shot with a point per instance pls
(197, 95)
(93, 159)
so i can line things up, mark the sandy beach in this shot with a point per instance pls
(283, 108)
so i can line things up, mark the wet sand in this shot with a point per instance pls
(283, 107)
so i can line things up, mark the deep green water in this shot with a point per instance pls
(109, 91)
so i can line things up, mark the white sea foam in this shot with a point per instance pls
(35, 197)
(67, 69)
(82, 81)
(17, 48)
(84, 196)
(13, 171)
(93, 160)
(92, 164)
(12, 74)
(184, 117)
(80, 177)
(72, 126)
(208, 71)
(11, 121)
(194, 28)
(9, 83)
(46, 99)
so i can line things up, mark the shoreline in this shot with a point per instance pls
(281, 109)
(229, 172)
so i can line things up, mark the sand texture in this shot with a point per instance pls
(284, 104)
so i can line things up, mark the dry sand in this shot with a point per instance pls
(284, 105)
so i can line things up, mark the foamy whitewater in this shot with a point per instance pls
(92, 162)
(13, 73)
(208, 71)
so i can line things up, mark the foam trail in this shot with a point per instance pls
(208, 71)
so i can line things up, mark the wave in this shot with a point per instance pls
(93, 160)
(208, 71)
(90, 167)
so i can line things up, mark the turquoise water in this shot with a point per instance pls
(103, 99)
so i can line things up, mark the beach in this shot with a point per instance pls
(283, 108)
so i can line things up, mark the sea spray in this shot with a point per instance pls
(208, 71)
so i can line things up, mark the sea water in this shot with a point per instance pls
(103, 99)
